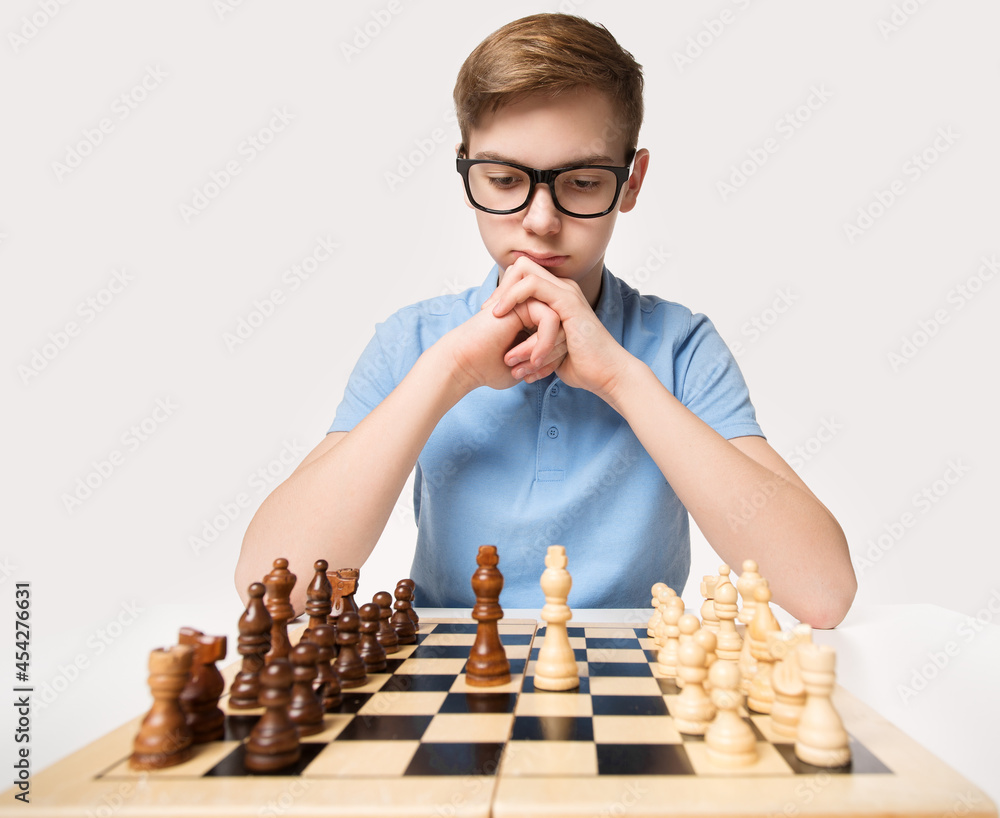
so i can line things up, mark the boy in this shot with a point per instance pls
(553, 404)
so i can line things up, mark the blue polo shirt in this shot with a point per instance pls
(542, 464)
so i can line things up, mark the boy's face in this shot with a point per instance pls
(540, 131)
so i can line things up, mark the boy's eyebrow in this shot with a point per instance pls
(592, 159)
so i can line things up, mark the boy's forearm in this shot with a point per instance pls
(744, 509)
(336, 506)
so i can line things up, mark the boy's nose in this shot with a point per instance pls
(541, 216)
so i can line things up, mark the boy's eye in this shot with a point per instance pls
(505, 181)
(582, 182)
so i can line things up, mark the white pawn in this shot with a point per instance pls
(728, 641)
(687, 625)
(729, 740)
(822, 740)
(786, 679)
(709, 620)
(707, 640)
(746, 583)
(666, 658)
(693, 709)
(663, 596)
(655, 591)
(760, 696)
(556, 667)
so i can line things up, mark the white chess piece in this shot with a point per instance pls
(693, 709)
(822, 740)
(729, 740)
(655, 591)
(556, 667)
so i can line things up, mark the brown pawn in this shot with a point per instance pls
(305, 708)
(274, 740)
(350, 666)
(372, 653)
(327, 680)
(200, 697)
(319, 598)
(345, 583)
(386, 635)
(406, 631)
(164, 738)
(411, 598)
(487, 665)
(279, 584)
(253, 643)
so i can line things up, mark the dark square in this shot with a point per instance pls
(441, 652)
(455, 627)
(515, 638)
(570, 631)
(580, 654)
(392, 665)
(641, 632)
(529, 687)
(629, 706)
(238, 727)
(619, 669)
(651, 655)
(427, 682)
(474, 759)
(605, 643)
(668, 686)
(233, 764)
(478, 702)
(385, 728)
(643, 759)
(517, 666)
(862, 761)
(552, 728)
(351, 702)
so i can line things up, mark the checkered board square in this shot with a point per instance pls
(418, 740)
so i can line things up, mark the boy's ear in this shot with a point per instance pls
(639, 166)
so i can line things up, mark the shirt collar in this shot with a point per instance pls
(610, 306)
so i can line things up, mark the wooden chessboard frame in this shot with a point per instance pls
(528, 774)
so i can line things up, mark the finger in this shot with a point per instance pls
(552, 362)
(549, 327)
(547, 290)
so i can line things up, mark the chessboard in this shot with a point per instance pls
(418, 740)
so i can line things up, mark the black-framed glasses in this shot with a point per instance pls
(581, 191)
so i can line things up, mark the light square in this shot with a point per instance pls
(333, 726)
(373, 683)
(469, 727)
(403, 703)
(635, 730)
(360, 759)
(432, 666)
(769, 762)
(204, 757)
(623, 686)
(549, 758)
(450, 639)
(553, 704)
(609, 655)
(462, 685)
(609, 633)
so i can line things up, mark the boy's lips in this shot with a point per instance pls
(543, 261)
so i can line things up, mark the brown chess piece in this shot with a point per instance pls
(372, 653)
(386, 635)
(344, 582)
(402, 624)
(253, 643)
(319, 598)
(274, 741)
(279, 584)
(350, 666)
(164, 738)
(327, 680)
(487, 665)
(305, 708)
(200, 697)
(411, 598)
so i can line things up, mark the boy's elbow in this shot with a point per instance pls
(830, 607)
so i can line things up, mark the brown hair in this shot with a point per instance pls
(549, 53)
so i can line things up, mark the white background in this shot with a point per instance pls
(150, 538)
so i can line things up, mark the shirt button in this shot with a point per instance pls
(554, 390)
(553, 432)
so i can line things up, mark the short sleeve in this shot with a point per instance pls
(373, 378)
(708, 381)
